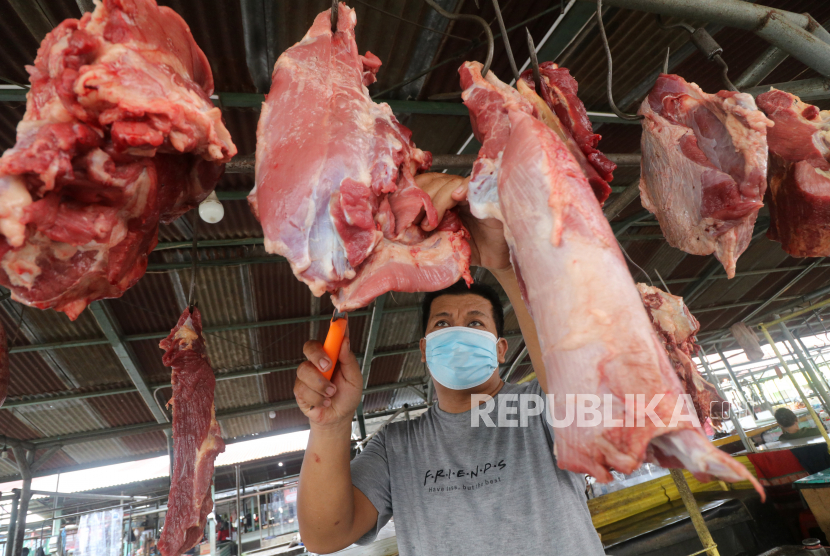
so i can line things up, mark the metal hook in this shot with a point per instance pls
(706, 44)
(506, 40)
(534, 63)
(335, 12)
(468, 17)
(610, 78)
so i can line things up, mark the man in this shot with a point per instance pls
(789, 424)
(453, 488)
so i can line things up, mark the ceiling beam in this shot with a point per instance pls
(33, 17)
(129, 430)
(112, 330)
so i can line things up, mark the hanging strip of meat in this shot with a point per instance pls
(119, 134)
(197, 439)
(704, 167)
(676, 327)
(596, 338)
(799, 177)
(334, 178)
(559, 91)
(5, 376)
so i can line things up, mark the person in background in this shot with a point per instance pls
(789, 424)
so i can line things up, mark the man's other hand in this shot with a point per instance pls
(487, 244)
(324, 402)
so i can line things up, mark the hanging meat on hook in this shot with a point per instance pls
(334, 178)
(704, 167)
(799, 177)
(119, 134)
(595, 335)
(676, 327)
(559, 91)
(197, 439)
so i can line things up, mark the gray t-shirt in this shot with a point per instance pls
(455, 489)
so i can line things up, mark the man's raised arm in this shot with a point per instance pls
(332, 513)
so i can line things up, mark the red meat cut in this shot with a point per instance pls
(559, 91)
(594, 332)
(704, 167)
(4, 366)
(197, 439)
(676, 327)
(334, 190)
(799, 177)
(119, 134)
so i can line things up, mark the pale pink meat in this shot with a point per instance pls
(799, 177)
(119, 134)
(704, 167)
(675, 325)
(595, 334)
(334, 178)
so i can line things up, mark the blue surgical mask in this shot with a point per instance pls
(460, 358)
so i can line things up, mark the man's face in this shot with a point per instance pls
(469, 310)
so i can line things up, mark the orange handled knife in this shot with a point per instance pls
(334, 339)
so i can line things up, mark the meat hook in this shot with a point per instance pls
(477, 19)
(534, 63)
(704, 42)
(335, 12)
(506, 41)
(610, 78)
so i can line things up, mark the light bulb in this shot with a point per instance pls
(211, 210)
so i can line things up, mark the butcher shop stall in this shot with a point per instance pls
(192, 190)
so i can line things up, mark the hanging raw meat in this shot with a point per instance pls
(119, 134)
(704, 167)
(559, 91)
(334, 178)
(595, 335)
(799, 177)
(197, 439)
(4, 366)
(677, 327)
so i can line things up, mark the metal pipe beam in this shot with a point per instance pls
(816, 88)
(731, 373)
(112, 330)
(818, 385)
(791, 32)
(374, 328)
(748, 445)
(33, 17)
(22, 458)
(760, 69)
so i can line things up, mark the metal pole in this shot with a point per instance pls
(812, 411)
(786, 30)
(689, 501)
(818, 386)
(710, 376)
(799, 369)
(21, 457)
(259, 504)
(238, 516)
(213, 521)
(733, 377)
(10, 534)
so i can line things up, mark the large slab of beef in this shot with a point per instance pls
(5, 376)
(119, 134)
(676, 327)
(799, 177)
(595, 334)
(197, 439)
(704, 167)
(334, 178)
(559, 91)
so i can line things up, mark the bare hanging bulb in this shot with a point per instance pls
(211, 209)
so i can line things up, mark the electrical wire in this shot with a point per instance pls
(430, 29)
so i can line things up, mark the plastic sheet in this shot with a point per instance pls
(99, 533)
